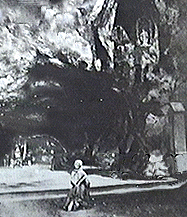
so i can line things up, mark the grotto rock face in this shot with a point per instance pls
(94, 32)
(75, 29)
(137, 36)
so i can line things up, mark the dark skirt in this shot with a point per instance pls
(77, 198)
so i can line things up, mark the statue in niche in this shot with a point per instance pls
(146, 52)
(141, 56)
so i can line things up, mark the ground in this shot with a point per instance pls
(166, 203)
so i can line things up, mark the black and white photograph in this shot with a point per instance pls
(93, 108)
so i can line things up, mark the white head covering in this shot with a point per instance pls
(79, 163)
